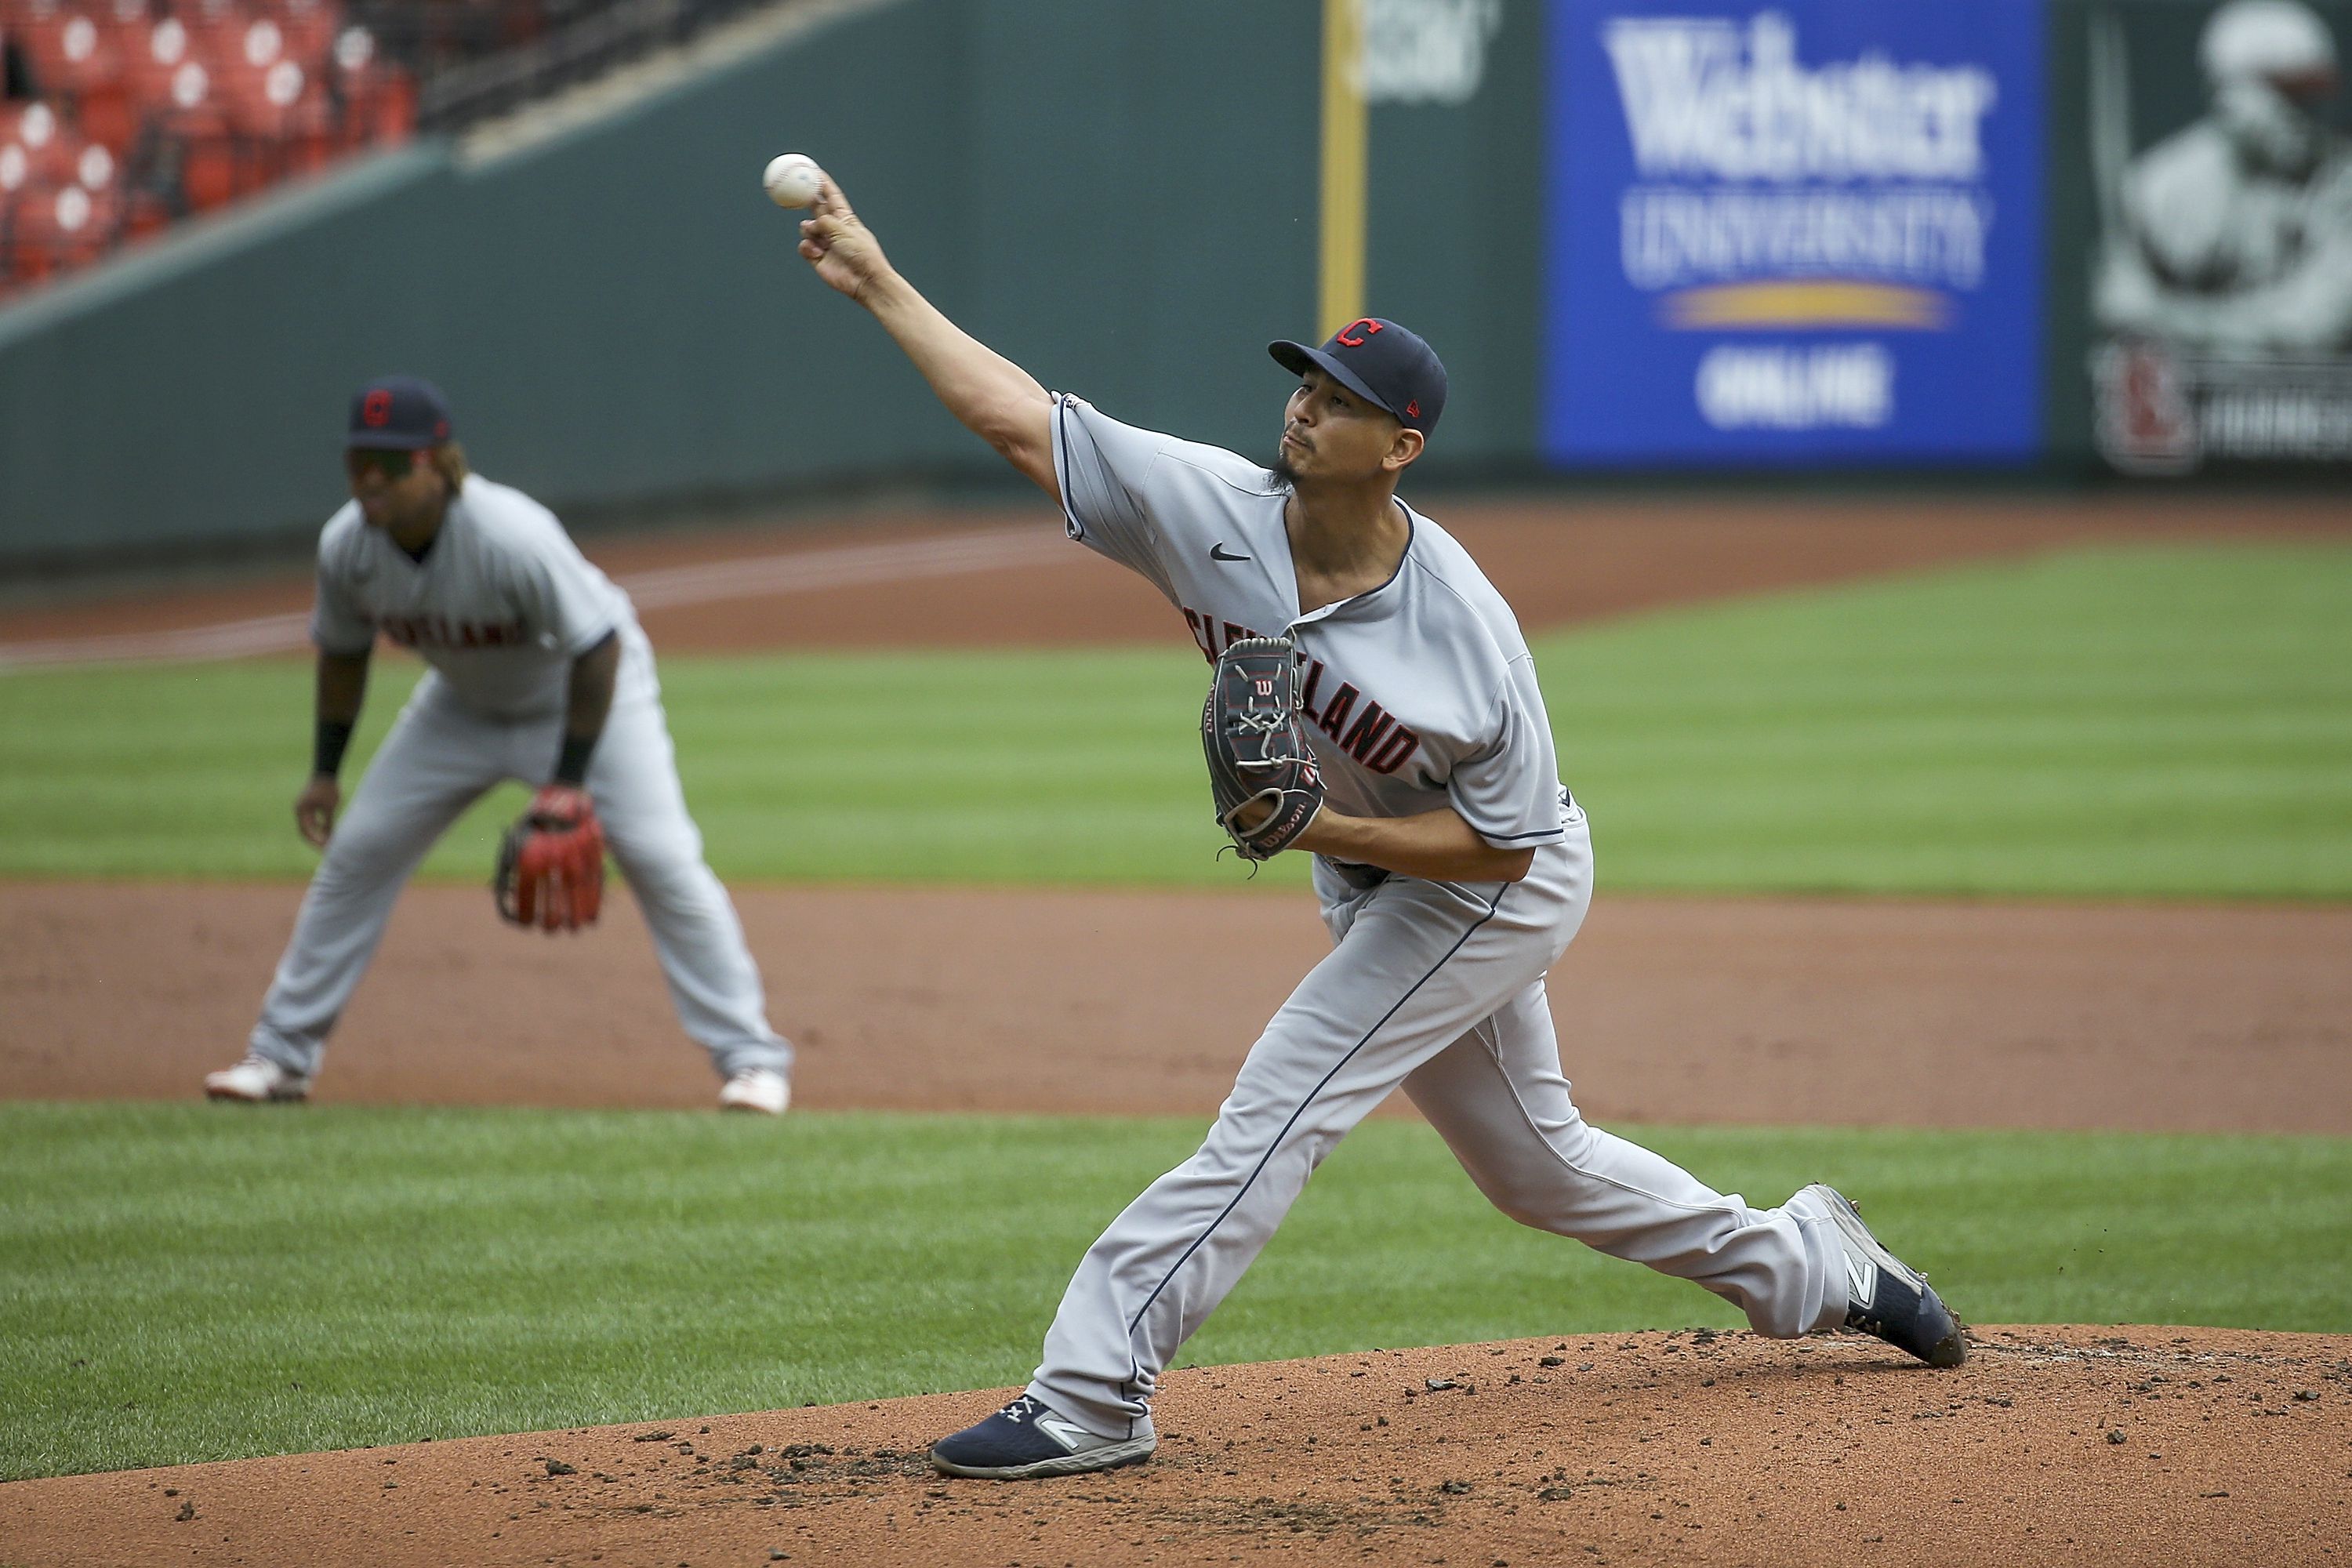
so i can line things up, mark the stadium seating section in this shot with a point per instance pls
(125, 116)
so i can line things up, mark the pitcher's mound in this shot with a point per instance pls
(2053, 1445)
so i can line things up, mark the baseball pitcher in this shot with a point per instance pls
(1375, 705)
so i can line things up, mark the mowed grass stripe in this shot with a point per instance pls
(194, 1282)
(2166, 722)
(2171, 722)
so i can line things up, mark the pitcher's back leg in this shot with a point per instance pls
(1499, 1099)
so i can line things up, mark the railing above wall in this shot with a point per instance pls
(585, 40)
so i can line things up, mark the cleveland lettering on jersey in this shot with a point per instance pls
(434, 631)
(1373, 737)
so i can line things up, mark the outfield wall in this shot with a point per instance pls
(617, 314)
(1124, 198)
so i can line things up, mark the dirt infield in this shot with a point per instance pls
(2164, 1446)
(1690, 1010)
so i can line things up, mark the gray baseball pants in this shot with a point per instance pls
(438, 760)
(1436, 987)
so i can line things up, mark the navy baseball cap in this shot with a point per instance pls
(1387, 365)
(398, 413)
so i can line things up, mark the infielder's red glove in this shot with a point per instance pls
(551, 863)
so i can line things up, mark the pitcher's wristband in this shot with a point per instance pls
(571, 766)
(326, 747)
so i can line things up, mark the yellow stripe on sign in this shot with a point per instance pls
(1808, 305)
(1346, 158)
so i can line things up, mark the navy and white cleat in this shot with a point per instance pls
(1884, 1295)
(1028, 1438)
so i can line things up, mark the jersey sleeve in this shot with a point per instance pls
(566, 604)
(1103, 469)
(1508, 789)
(338, 625)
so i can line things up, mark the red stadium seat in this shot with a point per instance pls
(15, 170)
(95, 167)
(57, 227)
(72, 52)
(274, 103)
(310, 27)
(166, 44)
(262, 44)
(38, 129)
(110, 114)
(218, 26)
(379, 102)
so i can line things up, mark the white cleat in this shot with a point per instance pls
(763, 1090)
(257, 1082)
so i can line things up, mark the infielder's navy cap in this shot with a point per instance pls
(399, 412)
(1380, 361)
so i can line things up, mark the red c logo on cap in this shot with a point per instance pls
(1369, 326)
(375, 410)
(1413, 409)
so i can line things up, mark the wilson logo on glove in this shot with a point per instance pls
(1262, 773)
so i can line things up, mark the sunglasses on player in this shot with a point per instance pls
(391, 463)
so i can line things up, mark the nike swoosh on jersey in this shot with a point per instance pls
(1218, 552)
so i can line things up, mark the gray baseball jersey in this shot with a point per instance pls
(1421, 693)
(499, 606)
(1417, 694)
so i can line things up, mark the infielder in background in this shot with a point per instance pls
(539, 672)
(1452, 868)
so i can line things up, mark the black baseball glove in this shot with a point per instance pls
(1263, 774)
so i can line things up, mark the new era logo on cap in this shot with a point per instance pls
(1386, 364)
(399, 412)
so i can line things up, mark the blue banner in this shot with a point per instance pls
(1801, 233)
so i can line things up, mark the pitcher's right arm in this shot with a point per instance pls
(995, 399)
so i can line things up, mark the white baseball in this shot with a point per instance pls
(791, 179)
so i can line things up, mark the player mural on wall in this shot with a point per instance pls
(1450, 878)
(2223, 276)
(538, 671)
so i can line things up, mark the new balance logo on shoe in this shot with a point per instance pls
(1861, 1282)
(1887, 1296)
(1063, 1430)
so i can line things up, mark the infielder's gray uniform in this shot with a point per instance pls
(1419, 694)
(499, 606)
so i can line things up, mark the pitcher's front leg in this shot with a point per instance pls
(1418, 965)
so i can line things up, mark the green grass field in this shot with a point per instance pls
(182, 1282)
(2168, 722)
(190, 1282)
